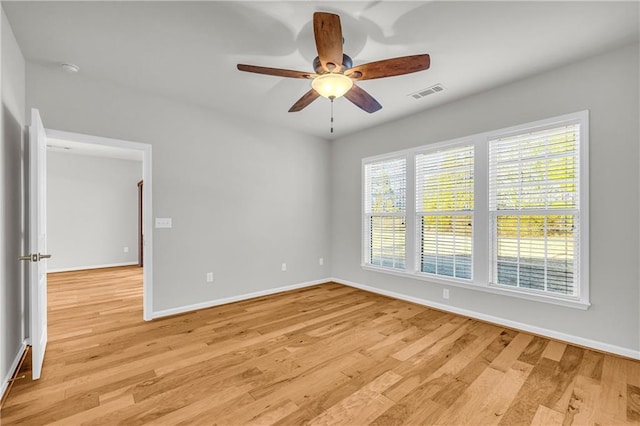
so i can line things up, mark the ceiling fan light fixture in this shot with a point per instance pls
(332, 85)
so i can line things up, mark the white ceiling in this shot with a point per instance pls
(189, 50)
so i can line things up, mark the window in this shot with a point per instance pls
(504, 211)
(534, 209)
(385, 210)
(444, 207)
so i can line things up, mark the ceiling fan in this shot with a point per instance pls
(334, 71)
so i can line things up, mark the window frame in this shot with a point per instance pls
(418, 215)
(366, 225)
(481, 225)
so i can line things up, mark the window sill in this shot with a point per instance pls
(485, 287)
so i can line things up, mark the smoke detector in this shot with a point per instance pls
(70, 68)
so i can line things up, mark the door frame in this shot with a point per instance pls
(147, 217)
(140, 228)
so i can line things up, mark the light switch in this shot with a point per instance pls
(163, 222)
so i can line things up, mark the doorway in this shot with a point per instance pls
(107, 147)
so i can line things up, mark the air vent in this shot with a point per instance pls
(428, 91)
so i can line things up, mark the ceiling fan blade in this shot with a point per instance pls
(362, 99)
(275, 71)
(304, 101)
(328, 33)
(389, 67)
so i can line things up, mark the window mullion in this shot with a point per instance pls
(411, 234)
(518, 224)
(482, 223)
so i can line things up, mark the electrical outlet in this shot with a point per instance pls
(445, 293)
(126, 249)
(321, 261)
(163, 222)
(284, 267)
(209, 277)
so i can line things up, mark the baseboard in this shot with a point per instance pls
(82, 268)
(218, 302)
(5, 382)
(580, 341)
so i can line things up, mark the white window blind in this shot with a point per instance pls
(534, 210)
(385, 213)
(444, 210)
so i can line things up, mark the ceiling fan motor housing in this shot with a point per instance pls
(347, 63)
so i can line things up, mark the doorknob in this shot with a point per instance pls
(35, 257)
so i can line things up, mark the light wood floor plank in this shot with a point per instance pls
(327, 354)
(363, 406)
(547, 417)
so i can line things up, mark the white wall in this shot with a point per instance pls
(92, 211)
(12, 121)
(244, 196)
(607, 86)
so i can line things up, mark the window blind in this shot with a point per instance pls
(534, 209)
(385, 210)
(444, 208)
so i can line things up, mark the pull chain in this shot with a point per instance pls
(332, 98)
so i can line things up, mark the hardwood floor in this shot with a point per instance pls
(327, 354)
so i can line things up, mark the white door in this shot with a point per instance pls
(38, 241)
